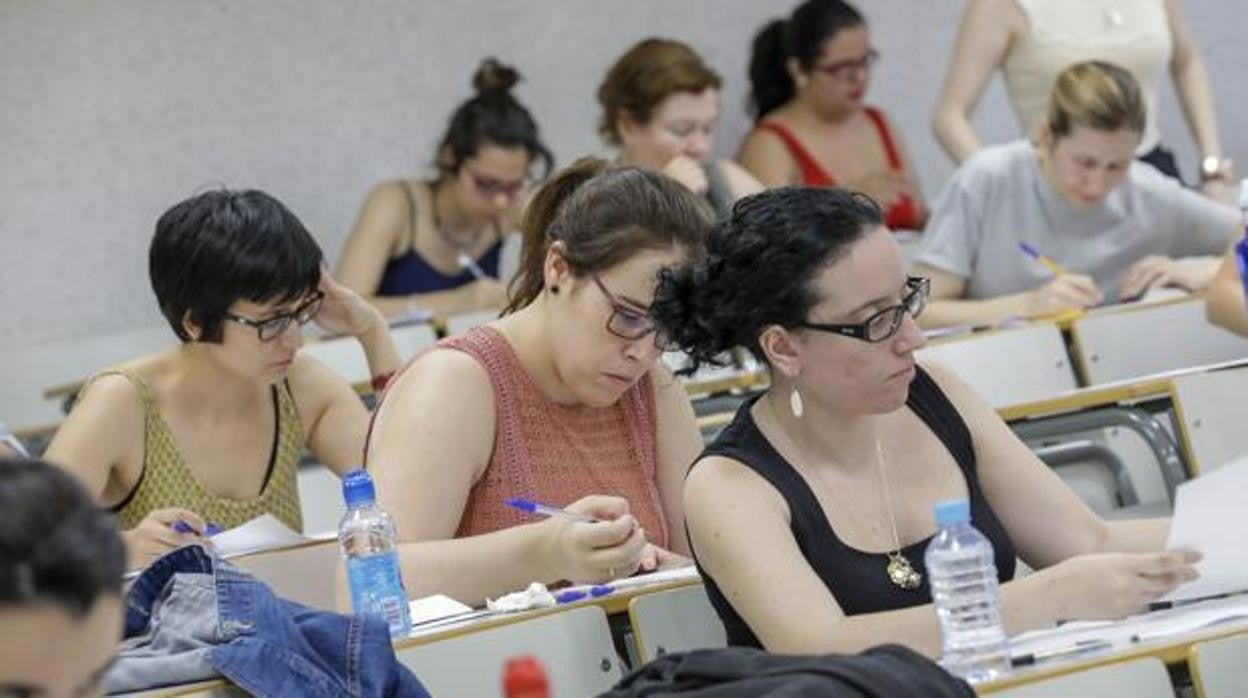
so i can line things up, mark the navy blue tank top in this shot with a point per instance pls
(856, 579)
(410, 273)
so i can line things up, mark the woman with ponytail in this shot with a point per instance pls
(435, 246)
(561, 401)
(809, 514)
(809, 75)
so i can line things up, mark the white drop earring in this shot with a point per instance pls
(795, 403)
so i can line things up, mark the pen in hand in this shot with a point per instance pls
(1045, 260)
(547, 510)
(467, 262)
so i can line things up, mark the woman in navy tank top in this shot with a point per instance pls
(433, 247)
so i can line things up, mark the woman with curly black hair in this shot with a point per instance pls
(809, 514)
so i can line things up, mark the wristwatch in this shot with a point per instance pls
(1213, 167)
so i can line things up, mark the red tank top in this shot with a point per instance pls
(902, 215)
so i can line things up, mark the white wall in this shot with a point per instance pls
(111, 111)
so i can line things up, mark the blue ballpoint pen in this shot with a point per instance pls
(547, 510)
(467, 262)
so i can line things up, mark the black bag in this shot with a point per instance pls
(887, 671)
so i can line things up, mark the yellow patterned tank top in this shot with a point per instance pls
(166, 481)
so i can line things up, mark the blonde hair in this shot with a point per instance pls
(1097, 95)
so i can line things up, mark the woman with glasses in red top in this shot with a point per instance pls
(435, 246)
(562, 401)
(809, 75)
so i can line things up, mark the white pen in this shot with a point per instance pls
(466, 262)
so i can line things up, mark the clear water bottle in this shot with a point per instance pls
(1241, 247)
(366, 538)
(963, 577)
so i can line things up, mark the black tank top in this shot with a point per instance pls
(856, 579)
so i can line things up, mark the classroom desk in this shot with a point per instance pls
(614, 605)
(1173, 652)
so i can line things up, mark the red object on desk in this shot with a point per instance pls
(524, 677)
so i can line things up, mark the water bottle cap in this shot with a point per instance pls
(953, 511)
(524, 676)
(357, 488)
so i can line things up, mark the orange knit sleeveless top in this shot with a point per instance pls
(556, 454)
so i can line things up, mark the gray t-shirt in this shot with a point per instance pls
(999, 198)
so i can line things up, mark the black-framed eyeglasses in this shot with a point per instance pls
(628, 323)
(842, 69)
(271, 328)
(885, 323)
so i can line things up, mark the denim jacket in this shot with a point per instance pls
(191, 617)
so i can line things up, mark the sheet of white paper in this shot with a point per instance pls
(261, 533)
(1146, 627)
(1210, 517)
(436, 607)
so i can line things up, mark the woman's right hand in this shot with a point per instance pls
(688, 172)
(1115, 585)
(596, 552)
(1065, 292)
(486, 294)
(155, 535)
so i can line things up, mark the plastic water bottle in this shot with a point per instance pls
(1241, 247)
(366, 538)
(963, 577)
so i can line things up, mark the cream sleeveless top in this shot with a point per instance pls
(1133, 34)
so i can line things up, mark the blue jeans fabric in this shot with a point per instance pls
(191, 616)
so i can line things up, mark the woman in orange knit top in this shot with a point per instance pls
(562, 401)
(809, 75)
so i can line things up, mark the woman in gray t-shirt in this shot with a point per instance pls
(1109, 227)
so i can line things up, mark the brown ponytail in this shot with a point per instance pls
(603, 216)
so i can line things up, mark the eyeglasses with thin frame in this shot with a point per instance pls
(271, 328)
(490, 187)
(843, 69)
(628, 323)
(885, 323)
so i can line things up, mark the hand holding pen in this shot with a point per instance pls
(160, 531)
(595, 539)
(1065, 292)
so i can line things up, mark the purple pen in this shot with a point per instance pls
(547, 510)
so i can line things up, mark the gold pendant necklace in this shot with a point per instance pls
(900, 572)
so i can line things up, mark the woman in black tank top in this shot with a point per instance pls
(809, 515)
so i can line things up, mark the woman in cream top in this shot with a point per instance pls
(1031, 41)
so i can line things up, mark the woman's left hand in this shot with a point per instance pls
(1155, 270)
(344, 311)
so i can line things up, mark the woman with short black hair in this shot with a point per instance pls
(211, 430)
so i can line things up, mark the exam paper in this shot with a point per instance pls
(261, 533)
(1210, 517)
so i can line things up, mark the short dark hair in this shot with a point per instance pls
(801, 36)
(222, 246)
(492, 117)
(57, 547)
(759, 269)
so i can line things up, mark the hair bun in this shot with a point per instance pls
(493, 76)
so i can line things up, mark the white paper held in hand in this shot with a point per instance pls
(1210, 518)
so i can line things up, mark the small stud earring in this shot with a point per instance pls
(554, 288)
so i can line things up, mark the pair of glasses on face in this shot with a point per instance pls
(490, 187)
(271, 328)
(885, 323)
(626, 322)
(843, 69)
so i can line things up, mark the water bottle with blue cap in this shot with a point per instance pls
(963, 576)
(366, 537)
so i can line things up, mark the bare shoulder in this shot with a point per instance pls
(447, 378)
(719, 483)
